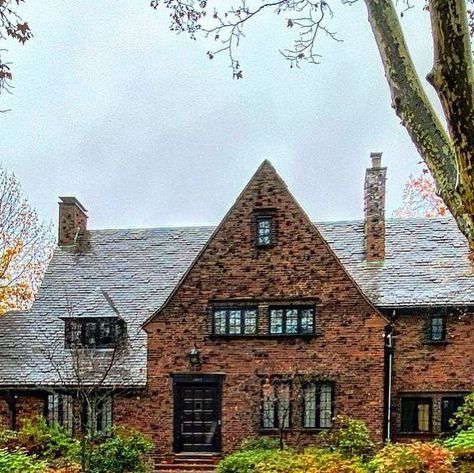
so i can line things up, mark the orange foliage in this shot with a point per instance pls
(420, 198)
(25, 246)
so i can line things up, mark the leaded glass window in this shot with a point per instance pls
(235, 321)
(437, 329)
(276, 406)
(264, 231)
(59, 410)
(416, 415)
(291, 320)
(317, 405)
(99, 415)
(93, 333)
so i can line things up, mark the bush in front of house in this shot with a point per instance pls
(123, 450)
(415, 457)
(348, 436)
(53, 444)
(18, 461)
(462, 446)
(287, 460)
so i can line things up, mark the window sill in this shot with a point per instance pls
(435, 342)
(312, 430)
(264, 336)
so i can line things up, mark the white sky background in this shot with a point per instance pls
(136, 122)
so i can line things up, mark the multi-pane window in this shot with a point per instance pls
(449, 405)
(264, 231)
(317, 405)
(276, 406)
(99, 415)
(416, 415)
(60, 411)
(235, 321)
(93, 333)
(291, 320)
(436, 329)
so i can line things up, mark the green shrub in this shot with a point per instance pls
(260, 443)
(350, 437)
(17, 461)
(463, 418)
(35, 437)
(243, 461)
(415, 457)
(123, 451)
(462, 446)
(288, 461)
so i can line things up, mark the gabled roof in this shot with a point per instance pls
(426, 264)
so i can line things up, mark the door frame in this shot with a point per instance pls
(180, 380)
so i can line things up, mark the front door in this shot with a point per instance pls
(197, 417)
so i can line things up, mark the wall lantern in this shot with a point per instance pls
(194, 356)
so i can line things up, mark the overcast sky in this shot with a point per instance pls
(135, 121)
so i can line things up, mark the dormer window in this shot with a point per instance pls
(264, 233)
(93, 332)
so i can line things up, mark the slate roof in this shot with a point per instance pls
(426, 264)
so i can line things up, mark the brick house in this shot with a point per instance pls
(268, 321)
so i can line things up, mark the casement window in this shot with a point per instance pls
(416, 415)
(99, 416)
(265, 234)
(59, 411)
(93, 332)
(436, 329)
(234, 321)
(317, 405)
(449, 405)
(291, 320)
(276, 405)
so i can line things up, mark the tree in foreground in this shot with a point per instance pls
(25, 246)
(448, 152)
(11, 25)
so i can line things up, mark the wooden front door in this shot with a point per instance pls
(197, 417)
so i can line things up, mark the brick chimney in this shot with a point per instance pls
(374, 208)
(72, 220)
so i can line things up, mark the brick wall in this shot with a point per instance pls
(432, 370)
(348, 347)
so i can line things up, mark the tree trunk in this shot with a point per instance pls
(417, 114)
(452, 78)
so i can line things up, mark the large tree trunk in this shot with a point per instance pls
(417, 115)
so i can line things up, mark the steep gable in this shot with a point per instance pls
(298, 264)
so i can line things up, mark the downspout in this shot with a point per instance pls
(389, 374)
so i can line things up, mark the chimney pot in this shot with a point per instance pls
(72, 220)
(376, 159)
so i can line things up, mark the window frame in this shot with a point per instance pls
(60, 405)
(444, 425)
(228, 310)
(285, 308)
(317, 401)
(79, 326)
(414, 421)
(277, 382)
(263, 216)
(431, 331)
(105, 405)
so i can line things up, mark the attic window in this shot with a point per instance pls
(93, 332)
(264, 230)
(436, 329)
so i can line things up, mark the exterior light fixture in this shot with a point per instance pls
(194, 356)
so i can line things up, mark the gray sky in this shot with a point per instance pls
(136, 122)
